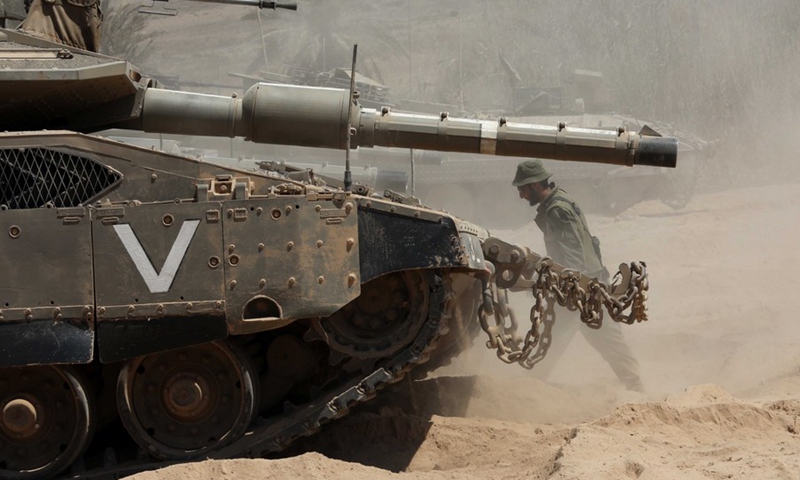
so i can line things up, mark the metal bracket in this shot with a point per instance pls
(151, 9)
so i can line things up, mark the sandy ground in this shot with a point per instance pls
(719, 357)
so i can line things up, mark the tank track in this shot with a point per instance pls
(275, 434)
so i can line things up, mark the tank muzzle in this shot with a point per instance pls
(658, 151)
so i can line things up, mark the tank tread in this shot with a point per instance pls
(273, 435)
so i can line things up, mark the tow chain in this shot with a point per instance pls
(517, 268)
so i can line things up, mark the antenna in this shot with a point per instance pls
(348, 178)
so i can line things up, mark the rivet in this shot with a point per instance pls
(289, 246)
(233, 284)
(292, 281)
(153, 177)
(319, 243)
(392, 209)
(28, 314)
(348, 207)
(262, 282)
(231, 248)
(416, 214)
(189, 307)
(260, 247)
(351, 279)
(288, 209)
(321, 280)
(368, 204)
(230, 212)
(350, 243)
(14, 231)
(259, 211)
(317, 208)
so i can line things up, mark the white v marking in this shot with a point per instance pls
(158, 282)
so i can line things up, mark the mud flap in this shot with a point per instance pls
(46, 342)
(128, 338)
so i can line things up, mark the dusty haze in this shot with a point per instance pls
(722, 70)
(719, 356)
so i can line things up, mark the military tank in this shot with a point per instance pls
(155, 308)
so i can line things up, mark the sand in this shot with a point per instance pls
(719, 357)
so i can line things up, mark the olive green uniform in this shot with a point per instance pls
(569, 242)
(75, 23)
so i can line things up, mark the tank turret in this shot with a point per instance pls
(183, 309)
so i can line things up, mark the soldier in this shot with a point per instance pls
(568, 241)
(75, 23)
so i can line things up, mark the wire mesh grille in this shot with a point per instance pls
(38, 177)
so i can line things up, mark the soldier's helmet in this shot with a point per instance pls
(530, 171)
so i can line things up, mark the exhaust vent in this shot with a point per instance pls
(41, 177)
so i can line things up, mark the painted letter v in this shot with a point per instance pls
(157, 282)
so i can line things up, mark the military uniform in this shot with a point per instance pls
(566, 235)
(569, 242)
(75, 23)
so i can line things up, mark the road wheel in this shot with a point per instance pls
(47, 420)
(183, 404)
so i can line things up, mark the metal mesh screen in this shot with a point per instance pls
(36, 177)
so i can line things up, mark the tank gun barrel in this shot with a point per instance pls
(255, 3)
(317, 117)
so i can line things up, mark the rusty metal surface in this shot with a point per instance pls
(300, 255)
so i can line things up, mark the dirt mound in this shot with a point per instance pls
(309, 466)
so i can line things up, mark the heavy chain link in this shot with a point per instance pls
(567, 288)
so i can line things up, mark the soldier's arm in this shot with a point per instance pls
(564, 225)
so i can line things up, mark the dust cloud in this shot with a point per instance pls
(718, 356)
(717, 75)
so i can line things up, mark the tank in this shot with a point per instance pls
(156, 308)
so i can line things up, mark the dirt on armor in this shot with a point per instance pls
(719, 356)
